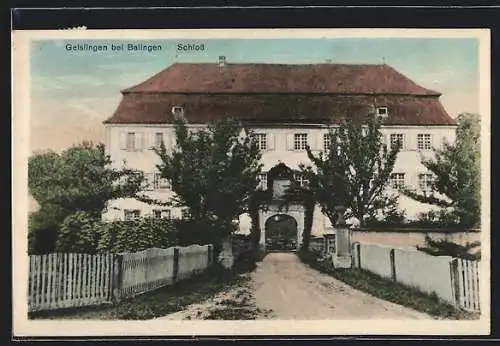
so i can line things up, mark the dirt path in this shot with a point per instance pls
(292, 290)
(282, 287)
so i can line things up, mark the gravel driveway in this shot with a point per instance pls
(285, 285)
(282, 287)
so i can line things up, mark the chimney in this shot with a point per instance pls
(222, 60)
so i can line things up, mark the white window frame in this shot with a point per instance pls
(155, 214)
(164, 213)
(425, 181)
(395, 137)
(176, 110)
(327, 141)
(300, 141)
(159, 138)
(131, 214)
(397, 180)
(299, 177)
(185, 214)
(383, 111)
(130, 140)
(424, 141)
(262, 181)
(261, 139)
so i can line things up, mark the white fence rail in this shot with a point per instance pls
(64, 280)
(193, 259)
(465, 280)
(376, 259)
(451, 279)
(146, 270)
(60, 280)
(426, 272)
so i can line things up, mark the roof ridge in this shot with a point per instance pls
(209, 77)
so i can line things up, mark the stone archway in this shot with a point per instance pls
(295, 211)
(281, 232)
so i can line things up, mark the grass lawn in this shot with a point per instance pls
(391, 291)
(162, 301)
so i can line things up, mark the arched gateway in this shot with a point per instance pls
(278, 180)
(281, 232)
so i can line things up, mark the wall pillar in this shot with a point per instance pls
(342, 257)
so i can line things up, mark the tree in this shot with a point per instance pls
(79, 232)
(78, 179)
(457, 174)
(353, 172)
(213, 171)
(443, 247)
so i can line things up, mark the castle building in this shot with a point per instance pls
(287, 107)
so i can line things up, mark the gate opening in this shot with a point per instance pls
(281, 233)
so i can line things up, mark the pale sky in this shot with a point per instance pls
(74, 92)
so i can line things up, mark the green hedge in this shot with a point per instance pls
(82, 232)
(137, 235)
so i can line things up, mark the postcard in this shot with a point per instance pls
(251, 182)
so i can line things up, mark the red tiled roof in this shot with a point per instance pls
(156, 108)
(267, 93)
(277, 78)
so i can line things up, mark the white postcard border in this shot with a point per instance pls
(20, 151)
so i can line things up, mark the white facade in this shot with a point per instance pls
(130, 145)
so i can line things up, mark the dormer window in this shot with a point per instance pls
(382, 112)
(177, 110)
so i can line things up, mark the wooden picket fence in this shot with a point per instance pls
(64, 280)
(146, 270)
(465, 278)
(60, 280)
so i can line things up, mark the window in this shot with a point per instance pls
(382, 112)
(157, 214)
(177, 110)
(263, 181)
(299, 178)
(158, 139)
(161, 214)
(159, 182)
(397, 180)
(130, 143)
(131, 214)
(261, 139)
(300, 141)
(327, 140)
(425, 182)
(397, 138)
(424, 141)
(185, 214)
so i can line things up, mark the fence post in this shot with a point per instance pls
(176, 263)
(210, 254)
(393, 265)
(357, 253)
(117, 277)
(455, 281)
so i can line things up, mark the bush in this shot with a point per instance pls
(43, 229)
(79, 232)
(42, 240)
(137, 235)
(203, 232)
